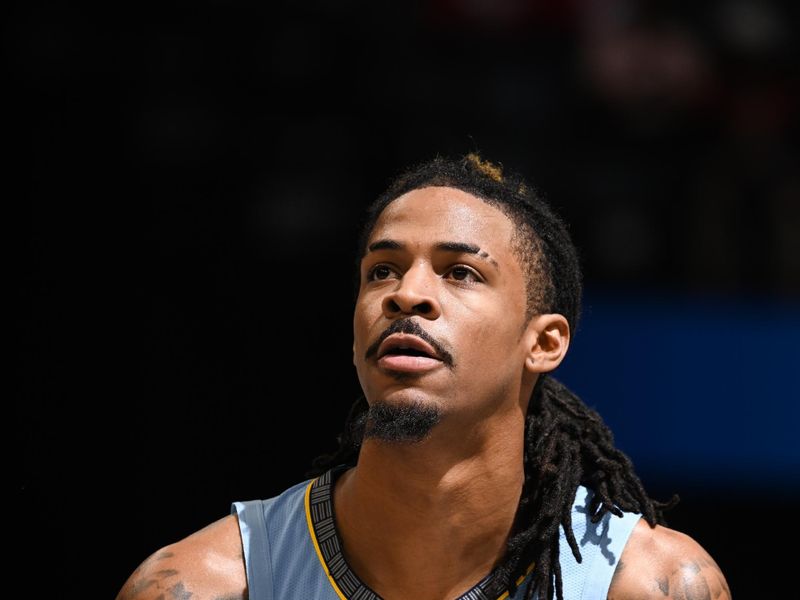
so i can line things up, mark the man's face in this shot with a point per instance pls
(440, 276)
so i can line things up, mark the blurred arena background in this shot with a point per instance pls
(188, 180)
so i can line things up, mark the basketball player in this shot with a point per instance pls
(466, 471)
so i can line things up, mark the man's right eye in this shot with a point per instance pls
(379, 272)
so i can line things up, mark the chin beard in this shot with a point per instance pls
(400, 423)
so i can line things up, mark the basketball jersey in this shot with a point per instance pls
(292, 550)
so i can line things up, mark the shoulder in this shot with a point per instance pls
(666, 564)
(207, 565)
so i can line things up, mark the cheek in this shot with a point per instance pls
(491, 341)
(497, 339)
(358, 340)
(359, 344)
(362, 317)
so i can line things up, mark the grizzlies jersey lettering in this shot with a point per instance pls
(292, 550)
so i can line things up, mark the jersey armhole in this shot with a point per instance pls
(255, 548)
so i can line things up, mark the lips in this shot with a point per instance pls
(407, 353)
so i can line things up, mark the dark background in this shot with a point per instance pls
(186, 181)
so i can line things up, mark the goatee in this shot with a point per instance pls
(408, 423)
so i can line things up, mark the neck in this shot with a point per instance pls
(395, 510)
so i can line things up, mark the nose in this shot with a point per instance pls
(414, 294)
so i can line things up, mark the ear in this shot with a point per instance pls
(547, 339)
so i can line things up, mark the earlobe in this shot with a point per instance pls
(547, 341)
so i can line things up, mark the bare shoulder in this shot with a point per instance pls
(664, 564)
(207, 565)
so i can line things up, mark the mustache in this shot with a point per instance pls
(410, 327)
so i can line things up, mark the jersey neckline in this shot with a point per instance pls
(324, 535)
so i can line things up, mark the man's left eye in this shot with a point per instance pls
(463, 274)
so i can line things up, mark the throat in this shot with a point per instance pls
(405, 534)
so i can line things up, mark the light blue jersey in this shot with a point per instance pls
(292, 550)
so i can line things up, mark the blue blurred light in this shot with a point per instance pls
(704, 389)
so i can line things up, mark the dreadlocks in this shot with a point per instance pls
(566, 443)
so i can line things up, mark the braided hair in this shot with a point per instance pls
(567, 444)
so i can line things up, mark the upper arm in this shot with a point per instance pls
(155, 576)
(207, 565)
(664, 564)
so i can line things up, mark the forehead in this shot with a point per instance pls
(438, 214)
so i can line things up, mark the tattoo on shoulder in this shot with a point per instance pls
(696, 579)
(179, 592)
(663, 585)
(165, 573)
(157, 581)
(699, 578)
(163, 584)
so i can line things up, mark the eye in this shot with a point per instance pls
(462, 273)
(379, 272)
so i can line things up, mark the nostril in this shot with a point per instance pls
(423, 308)
(393, 306)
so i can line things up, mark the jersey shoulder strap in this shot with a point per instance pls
(255, 547)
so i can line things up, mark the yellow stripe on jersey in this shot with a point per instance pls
(316, 543)
(519, 581)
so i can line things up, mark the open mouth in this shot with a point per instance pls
(400, 351)
(407, 353)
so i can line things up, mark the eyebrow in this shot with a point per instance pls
(385, 245)
(459, 247)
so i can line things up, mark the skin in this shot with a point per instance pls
(207, 565)
(473, 304)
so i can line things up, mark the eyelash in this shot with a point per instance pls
(470, 272)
